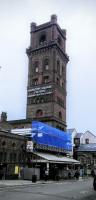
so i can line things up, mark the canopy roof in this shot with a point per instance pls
(56, 159)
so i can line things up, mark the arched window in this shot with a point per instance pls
(58, 66)
(36, 66)
(59, 40)
(46, 79)
(39, 113)
(46, 64)
(35, 81)
(87, 141)
(62, 69)
(42, 39)
(62, 84)
(60, 114)
(57, 81)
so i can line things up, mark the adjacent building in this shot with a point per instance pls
(84, 149)
(12, 150)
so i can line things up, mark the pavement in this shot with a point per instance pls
(9, 183)
(12, 183)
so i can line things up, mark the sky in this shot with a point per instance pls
(78, 17)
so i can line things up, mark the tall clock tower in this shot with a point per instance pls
(46, 90)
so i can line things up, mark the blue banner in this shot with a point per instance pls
(47, 135)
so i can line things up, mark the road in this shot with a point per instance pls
(66, 190)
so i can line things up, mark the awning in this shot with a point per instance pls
(55, 159)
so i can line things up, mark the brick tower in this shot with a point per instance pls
(46, 91)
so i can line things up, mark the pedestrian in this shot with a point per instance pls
(69, 175)
(94, 182)
(77, 174)
(92, 173)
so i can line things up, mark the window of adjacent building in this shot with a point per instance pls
(87, 141)
(3, 143)
(39, 113)
(10, 157)
(82, 160)
(14, 157)
(94, 161)
(5, 156)
(20, 157)
(42, 39)
(13, 145)
(88, 161)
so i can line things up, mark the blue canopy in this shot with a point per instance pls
(47, 135)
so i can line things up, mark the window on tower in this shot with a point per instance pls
(57, 81)
(36, 69)
(59, 40)
(46, 79)
(62, 84)
(60, 115)
(39, 113)
(58, 66)
(46, 64)
(35, 81)
(62, 70)
(42, 39)
(36, 66)
(60, 101)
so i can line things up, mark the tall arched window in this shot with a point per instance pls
(46, 79)
(60, 114)
(58, 66)
(59, 40)
(46, 64)
(36, 66)
(42, 39)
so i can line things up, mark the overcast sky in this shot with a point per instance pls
(78, 17)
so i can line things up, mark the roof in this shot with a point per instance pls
(78, 135)
(70, 130)
(57, 159)
(87, 147)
